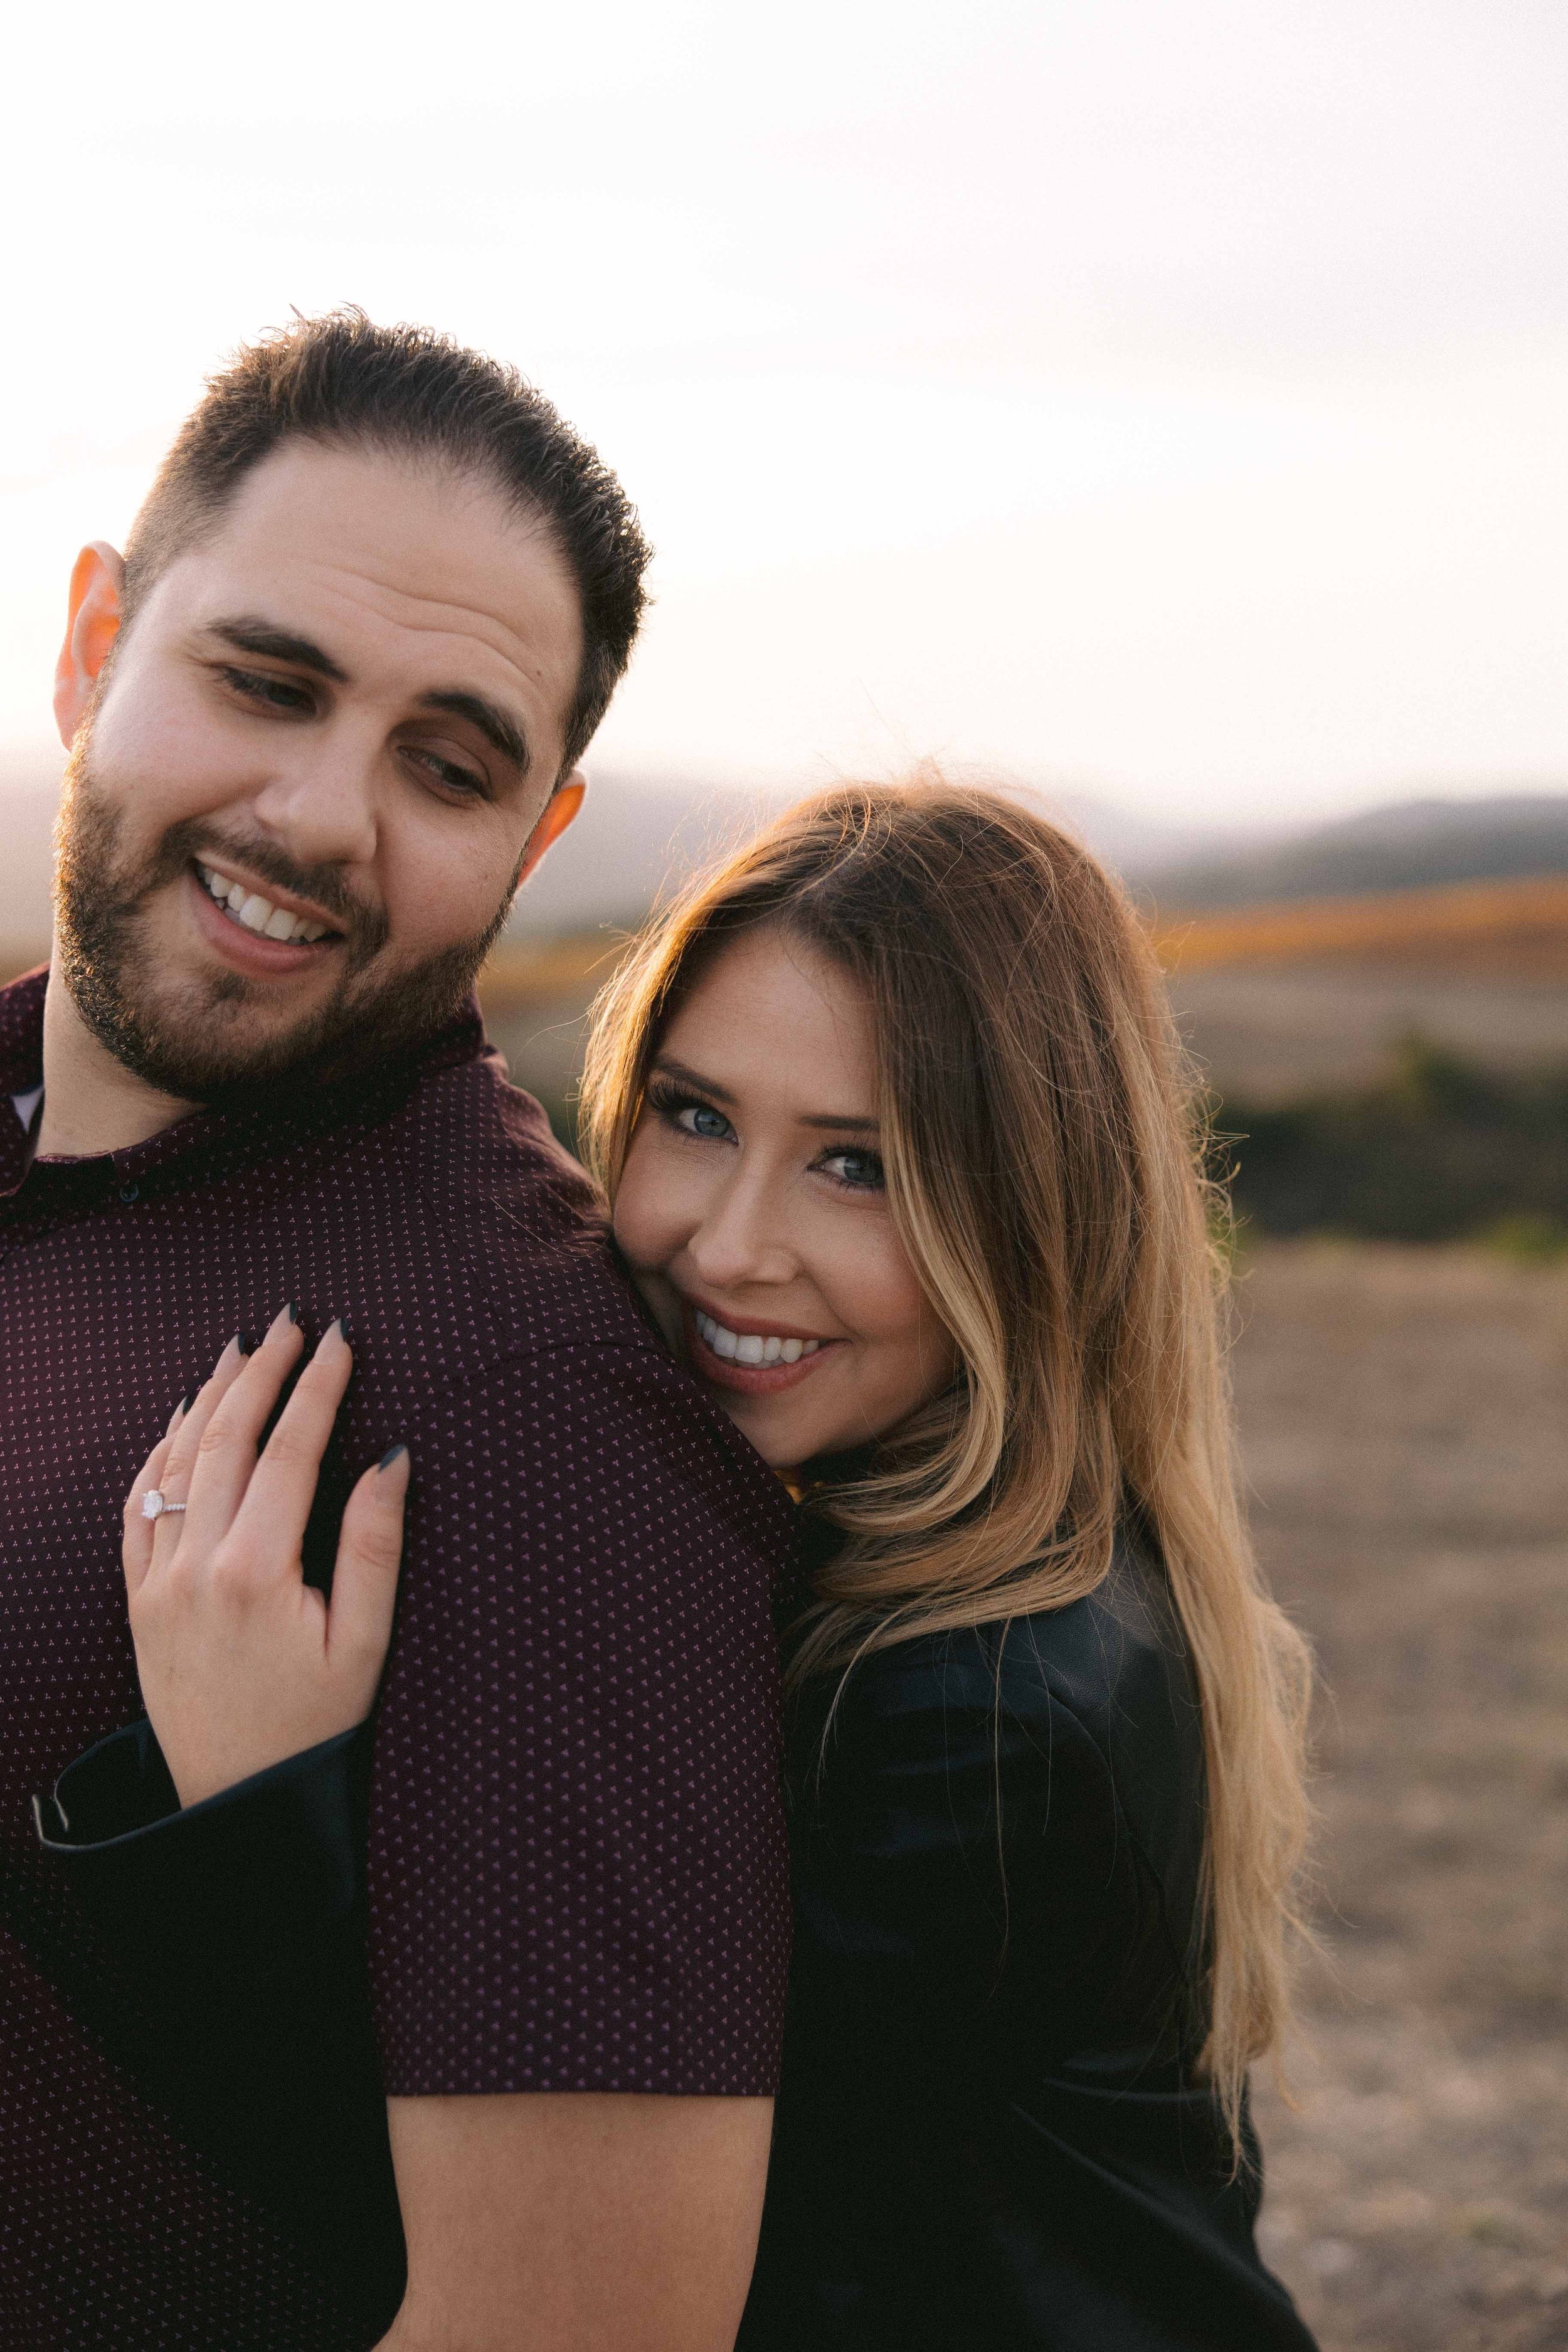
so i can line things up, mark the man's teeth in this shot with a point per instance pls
(256, 913)
(749, 1347)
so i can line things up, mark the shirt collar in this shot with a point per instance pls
(22, 1033)
(212, 1139)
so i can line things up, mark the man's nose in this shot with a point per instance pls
(744, 1234)
(320, 802)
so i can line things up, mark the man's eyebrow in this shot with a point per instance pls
(247, 635)
(668, 1067)
(498, 727)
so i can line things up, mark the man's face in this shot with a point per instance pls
(298, 809)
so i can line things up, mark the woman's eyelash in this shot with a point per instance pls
(669, 1101)
(873, 1182)
(662, 1096)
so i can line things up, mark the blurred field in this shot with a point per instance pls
(1403, 1414)
(1513, 930)
(536, 1000)
(1302, 998)
(1267, 1034)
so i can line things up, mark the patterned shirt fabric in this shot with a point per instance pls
(578, 1878)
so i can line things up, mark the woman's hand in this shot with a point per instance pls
(242, 1663)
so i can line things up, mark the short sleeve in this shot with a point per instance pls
(578, 1874)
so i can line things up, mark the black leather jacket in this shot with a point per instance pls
(989, 2132)
(231, 1985)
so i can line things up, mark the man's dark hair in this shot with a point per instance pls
(343, 382)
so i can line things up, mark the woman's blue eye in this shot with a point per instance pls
(862, 1170)
(697, 1118)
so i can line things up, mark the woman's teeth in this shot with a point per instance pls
(256, 913)
(750, 1347)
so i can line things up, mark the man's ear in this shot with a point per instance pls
(559, 811)
(91, 627)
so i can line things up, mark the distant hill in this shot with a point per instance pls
(637, 837)
(1408, 846)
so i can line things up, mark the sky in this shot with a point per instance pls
(1164, 401)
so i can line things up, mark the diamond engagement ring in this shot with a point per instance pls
(155, 1504)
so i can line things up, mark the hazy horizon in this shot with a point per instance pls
(36, 766)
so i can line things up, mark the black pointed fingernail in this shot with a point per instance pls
(242, 1343)
(345, 1325)
(393, 1454)
(188, 1400)
(292, 1312)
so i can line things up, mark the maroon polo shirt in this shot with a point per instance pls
(578, 1876)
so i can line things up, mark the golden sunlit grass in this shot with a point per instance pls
(1502, 930)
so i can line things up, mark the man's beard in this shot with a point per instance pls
(189, 1040)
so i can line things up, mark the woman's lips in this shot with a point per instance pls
(748, 1379)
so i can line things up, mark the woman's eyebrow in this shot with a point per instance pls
(668, 1067)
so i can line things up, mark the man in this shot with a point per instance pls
(322, 720)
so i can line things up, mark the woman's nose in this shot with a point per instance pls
(744, 1237)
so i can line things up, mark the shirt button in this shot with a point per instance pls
(128, 1192)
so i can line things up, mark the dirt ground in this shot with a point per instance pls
(1405, 1418)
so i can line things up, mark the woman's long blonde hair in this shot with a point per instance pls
(1045, 1170)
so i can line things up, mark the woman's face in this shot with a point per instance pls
(753, 1198)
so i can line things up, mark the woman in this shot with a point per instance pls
(891, 1117)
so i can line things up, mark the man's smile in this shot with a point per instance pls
(262, 934)
(272, 918)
